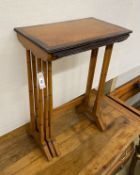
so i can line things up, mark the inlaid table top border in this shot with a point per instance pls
(118, 34)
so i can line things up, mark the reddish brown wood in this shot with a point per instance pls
(46, 101)
(41, 108)
(51, 41)
(31, 93)
(65, 38)
(35, 85)
(50, 96)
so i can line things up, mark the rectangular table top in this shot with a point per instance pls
(69, 36)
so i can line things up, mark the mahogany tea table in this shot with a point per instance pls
(48, 42)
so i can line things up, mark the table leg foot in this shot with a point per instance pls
(45, 147)
(101, 117)
(46, 151)
(102, 122)
(54, 150)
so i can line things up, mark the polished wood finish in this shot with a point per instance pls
(48, 42)
(65, 38)
(84, 149)
(28, 45)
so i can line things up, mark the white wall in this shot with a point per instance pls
(69, 74)
(127, 76)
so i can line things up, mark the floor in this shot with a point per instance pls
(84, 149)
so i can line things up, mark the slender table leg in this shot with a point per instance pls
(36, 95)
(46, 101)
(50, 96)
(50, 107)
(100, 93)
(47, 117)
(91, 72)
(36, 103)
(31, 95)
(41, 115)
(85, 106)
(40, 103)
(51, 142)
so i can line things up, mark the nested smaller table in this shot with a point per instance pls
(49, 42)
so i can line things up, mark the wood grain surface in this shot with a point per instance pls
(71, 36)
(84, 149)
